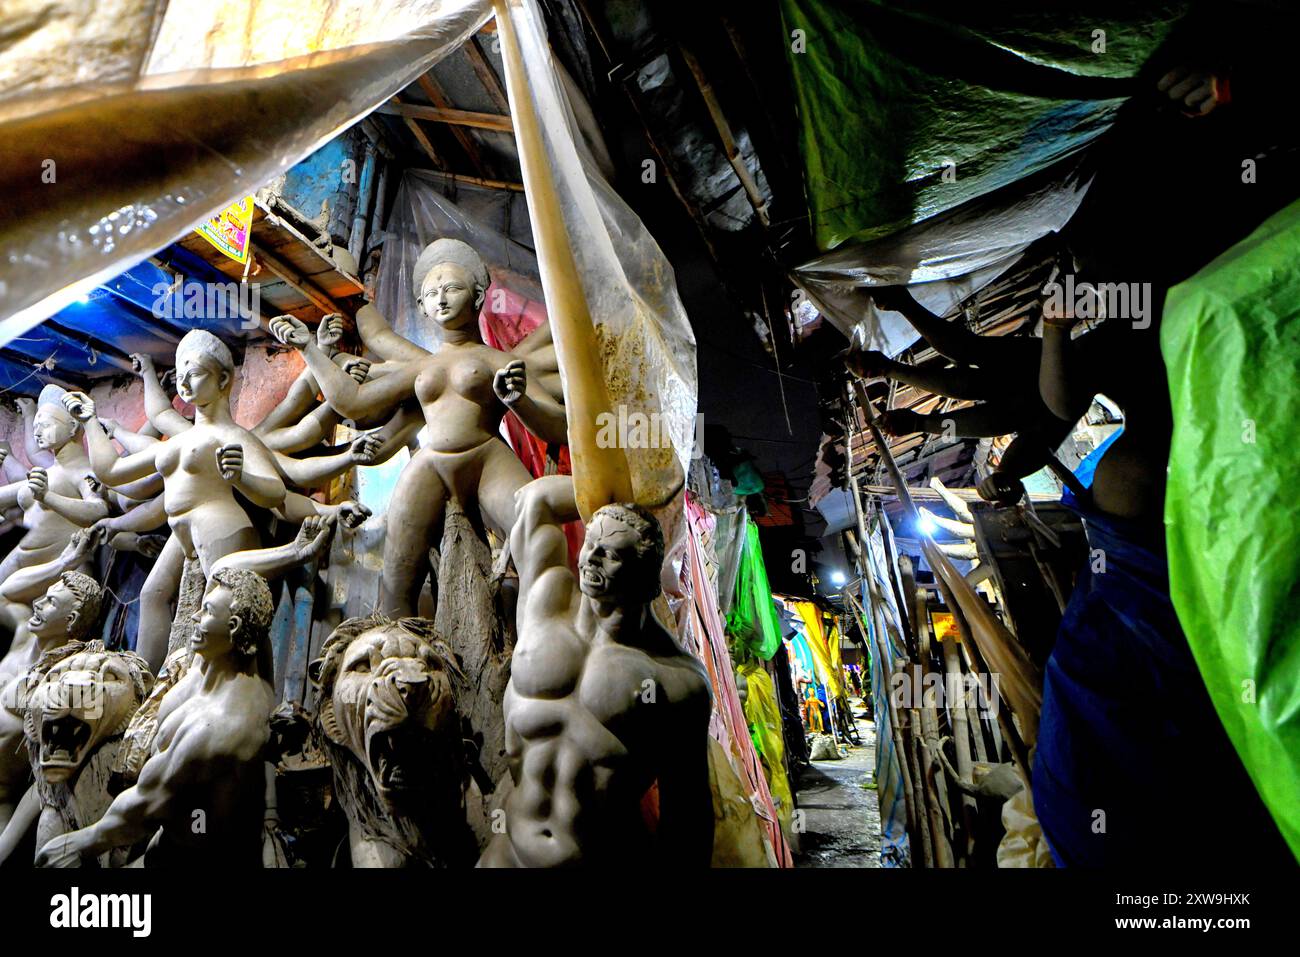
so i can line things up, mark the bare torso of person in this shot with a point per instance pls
(587, 727)
(231, 794)
(194, 493)
(454, 387)
(47, 529)
(1128, 368)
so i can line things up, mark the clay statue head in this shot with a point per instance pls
(235, 616)
(80, 702)
(53, 426)
(387, 696)
(69, 609)
(450, 283)
(621, 555)
(205, 369)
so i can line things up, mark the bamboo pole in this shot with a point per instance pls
(927, 714)
(961, 739)
(600, 475)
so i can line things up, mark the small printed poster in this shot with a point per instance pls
(945, 626)
(231, 229)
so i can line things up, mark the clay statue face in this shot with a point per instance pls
(607, 552)
(53, 428)
(199, 382)
(388, 699)
(84, 699)
(54, 613)
(214, 625)
(449, 296)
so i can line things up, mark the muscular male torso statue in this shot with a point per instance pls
(602, 703)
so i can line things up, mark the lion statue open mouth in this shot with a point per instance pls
(387, 693)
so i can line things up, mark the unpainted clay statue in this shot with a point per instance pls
(56, 499)
(388, 714)
(207, 759)
(46, 606)
(202, 467)
(465, 389)
(602, 703)
(80, 698)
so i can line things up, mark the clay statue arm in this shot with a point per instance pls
(108, 466)
(140, 490)
(350, 399)
(306, 432)
(538, 545)
(84, 511)
(540, 414)
(157, 403)
(251, 468)
(130, 441)
(319, 470)
(11, 470)
(299, 508)
(135, 813)
(311, 542)
(1062, 383)
(296, 402)
(9, 493)
(28, 584)
(35, 454)
(142, 518)
(379, 337)
(20, 823)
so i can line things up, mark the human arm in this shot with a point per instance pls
(157, 403)
(950, 339)
(83, 511)
(540, 414)
(351, 399)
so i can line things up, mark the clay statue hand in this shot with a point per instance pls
(4, 454)
(357, 367)
(150, 546)
(352, 514)
(110, 426)
(868, 365)
(1001, 489)
(329, 332)
(142, 365)
(511, 382)
(79, 405)
(892, 298)
(93, 485)
(26, 406)
(38, 483)
(365, 448)
(82, 542)
(291, 331)
(230, 461)
(314, 536)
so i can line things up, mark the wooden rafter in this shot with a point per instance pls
(439, 99)
(420, 137)
(486, 75)
(437, 114)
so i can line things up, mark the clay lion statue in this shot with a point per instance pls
(387, 693)
(76, 712)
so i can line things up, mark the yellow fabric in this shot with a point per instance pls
(812, 619)
(764, 717)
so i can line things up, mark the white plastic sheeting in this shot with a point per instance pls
(944, 259)
(126, 122)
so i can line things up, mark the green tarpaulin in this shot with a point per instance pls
(1231, 342)
(752, 619)
(910, 109)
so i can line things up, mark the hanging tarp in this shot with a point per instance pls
(815, 634)
(908, 110)
(764, 715)
(219, 96)
(752, 619)
(1231, 342)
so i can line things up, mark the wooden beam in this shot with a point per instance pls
(422, 139)
(486, 75)
(728, 139)
(480, 181)
(296, 279)
(439, 99)
(437, 114)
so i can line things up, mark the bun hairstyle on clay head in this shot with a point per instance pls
(199, 344)
(51, 397)
(454, 251)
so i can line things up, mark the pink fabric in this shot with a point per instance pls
(701, 620)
